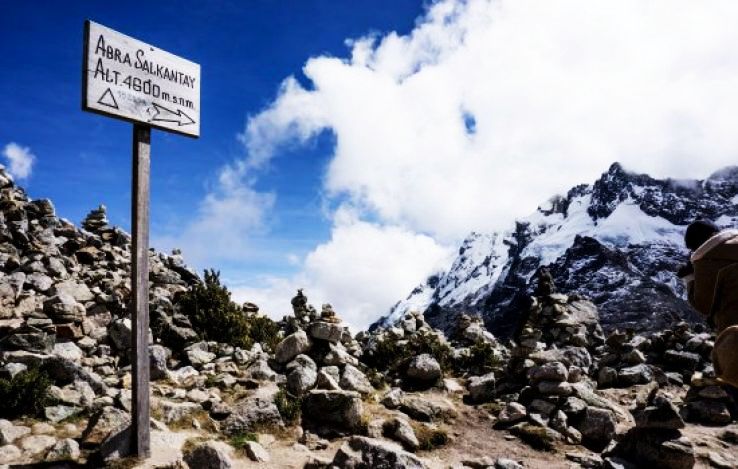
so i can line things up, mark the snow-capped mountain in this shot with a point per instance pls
(618, 241)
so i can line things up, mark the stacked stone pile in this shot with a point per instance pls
(656, 440)
(546, 386)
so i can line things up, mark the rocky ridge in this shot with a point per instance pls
(618, 241)
(558, 393)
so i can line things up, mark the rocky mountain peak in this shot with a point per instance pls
(618, 241)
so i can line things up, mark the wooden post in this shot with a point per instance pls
(141, 441)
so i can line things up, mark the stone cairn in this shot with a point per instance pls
(96, 220)
(546, 385)
(656, 440)
(674, 357)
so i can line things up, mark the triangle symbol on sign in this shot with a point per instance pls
(107, 99)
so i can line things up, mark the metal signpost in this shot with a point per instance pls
(128, 79)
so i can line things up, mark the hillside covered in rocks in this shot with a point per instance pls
(233, 388)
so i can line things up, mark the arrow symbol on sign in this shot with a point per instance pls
(162, 114)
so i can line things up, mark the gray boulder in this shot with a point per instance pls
(63, 308)
(326, 331)
(482, 388)
(158, 356)
(424, 368)
(301, 374)
(292, 346)
(339, 409)
(597, 427)
(208, 455)
(254, 411)
(354, 380)
(363, 453)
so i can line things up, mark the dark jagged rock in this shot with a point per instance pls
(617, 242)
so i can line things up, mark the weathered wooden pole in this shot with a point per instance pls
(128, 79)
(141, 440)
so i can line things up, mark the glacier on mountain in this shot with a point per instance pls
(618, 241)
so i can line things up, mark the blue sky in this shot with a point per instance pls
(245, 49)
(348, 147)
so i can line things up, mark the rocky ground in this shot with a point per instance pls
(559, 394)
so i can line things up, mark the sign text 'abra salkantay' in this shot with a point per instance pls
(131, 80)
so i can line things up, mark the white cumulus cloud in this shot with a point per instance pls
(487, 108)
(224, 224)
(20, 160)
(361, 270)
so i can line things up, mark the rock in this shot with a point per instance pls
(542, 406)
(553, 371)
(63, 308)
(681, 360)
(63, 370)
(9, 432)
(597, 427)
(326, 331)
(342, 409)
(709, 412)
(607, 377)
(29, 339)
(337, 355)
(68, 350)
(482, 388)
(79, 291)
(662, 449)
(353, 379)
(208, 455)
(424, 368)
(537, 436)
(42, 428)
(301, 375)
(58, 413)
(638, 374)
(512, 413)
(260, 371)
(36, 444)
(569, 356)
(255, 411)
(106, 423)
(10, 370)
(554, 388)
(292, 346)
(504, 463)
(120, 333)
(256, 452)
(325, 380)
(198, 358)
(363, 453)
(176, 411)
(9, 454)
(401, 431)
(662, 414)
(158, 356)
(393, 398)
(425, 409)
(184, 377)
(64, 450)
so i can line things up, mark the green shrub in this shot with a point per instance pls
(480, 360)
(26, 394)
(215, 317)
(394, 355)
(239, 441)
(265, 331)
(289, 406)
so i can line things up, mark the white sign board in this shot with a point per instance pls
(131, 80)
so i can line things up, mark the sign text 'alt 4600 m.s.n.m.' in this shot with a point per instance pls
(131, 80)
